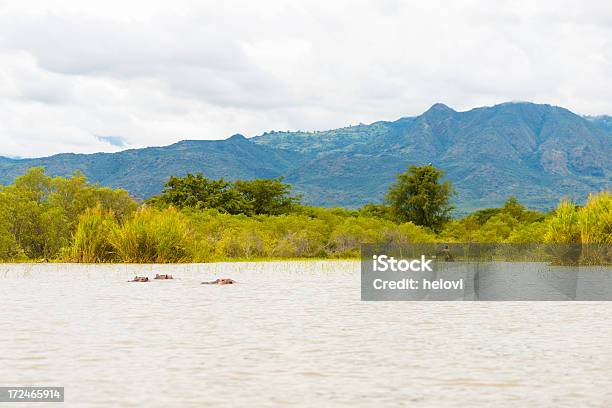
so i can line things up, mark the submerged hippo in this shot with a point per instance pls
(164, 276)
(222, 281)
(140, 279)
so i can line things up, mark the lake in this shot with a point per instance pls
(288, 334)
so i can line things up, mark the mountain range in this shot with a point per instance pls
(538, 153)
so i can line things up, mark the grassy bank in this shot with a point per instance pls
(71, 220)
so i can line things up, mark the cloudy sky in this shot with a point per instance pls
(83, 77)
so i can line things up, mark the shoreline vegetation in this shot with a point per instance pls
(199, 220)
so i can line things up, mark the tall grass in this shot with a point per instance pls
(152, 236)
(595, 219)
(591, 224)
(91, 241)
(586, 227)
(563, 226)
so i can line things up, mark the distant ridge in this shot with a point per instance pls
(538, 153)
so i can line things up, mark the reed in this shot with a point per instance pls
(151, 236)
(563, 226)
(595, 219)
(91, 241)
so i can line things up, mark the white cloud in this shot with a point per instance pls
(156, 72)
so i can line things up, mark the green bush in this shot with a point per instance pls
(346, 239)
(408, 233)
(243, 243)
(528, 233)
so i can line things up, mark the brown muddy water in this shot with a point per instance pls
(289, 334)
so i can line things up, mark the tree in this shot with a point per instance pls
(40, 213)
(267, 196)
(250, 197)
(9, 247)
(197, 191)
(420, 197)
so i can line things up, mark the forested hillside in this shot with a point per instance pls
(537, 153)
